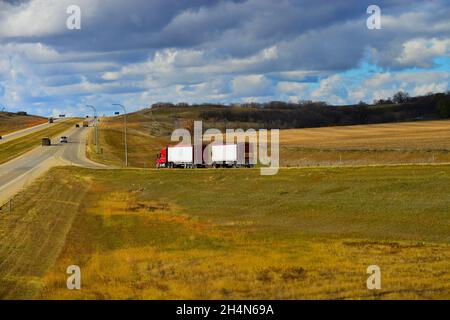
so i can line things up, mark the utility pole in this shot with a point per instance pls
(125, 125)
(95, 128)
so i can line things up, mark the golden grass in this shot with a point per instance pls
(315, 269)
(142, 145)
(32, 235)
(303, 234)
(393, 143)
(423, 135)
(10, 122)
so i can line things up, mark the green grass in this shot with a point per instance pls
(14, 148)
(211, 234)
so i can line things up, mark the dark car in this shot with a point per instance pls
(46, 142)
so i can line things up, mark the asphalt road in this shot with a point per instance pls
(21, 171)
(24, 132)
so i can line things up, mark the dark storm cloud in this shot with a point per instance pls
(175, 47)
(128, 31)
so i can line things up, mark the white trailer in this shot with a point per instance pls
(232, 155)
(180, 156)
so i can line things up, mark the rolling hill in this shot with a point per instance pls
(389, 143)
(10, 122)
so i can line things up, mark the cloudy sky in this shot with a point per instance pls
(138, 52)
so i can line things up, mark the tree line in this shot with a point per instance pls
(304, 114)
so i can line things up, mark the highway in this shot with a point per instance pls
(26, 131)
(20, 172)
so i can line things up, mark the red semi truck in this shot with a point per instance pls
(176, 156)
(225, 155)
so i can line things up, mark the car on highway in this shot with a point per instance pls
(63, 139)
(46, 142)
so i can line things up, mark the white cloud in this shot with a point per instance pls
(219, 51)
(40, 17)
(331, 89)
(345, 89)
(292, 87)
(110, 76)
(384, 85)
(36, 52)
(251, 85)
(421, 52)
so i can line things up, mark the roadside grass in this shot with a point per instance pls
(32, 235)
(10, 122)
(393, 143)
(213, 234)
(142, 145)
(14, 148)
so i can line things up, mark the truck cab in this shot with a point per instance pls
(179, 156)
(161, 159)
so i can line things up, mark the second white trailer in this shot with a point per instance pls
(226, 154)
(232, 155)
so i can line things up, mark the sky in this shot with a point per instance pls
(139, 52)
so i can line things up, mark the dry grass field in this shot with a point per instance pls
(10, 122)
(212, 234)
(305, 233)
(393, 143)
(142, 145)
(420, 135)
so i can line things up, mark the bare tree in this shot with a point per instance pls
(400, 97)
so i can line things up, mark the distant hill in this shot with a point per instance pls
(286, 115)
(10, 121)
(402, 141)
